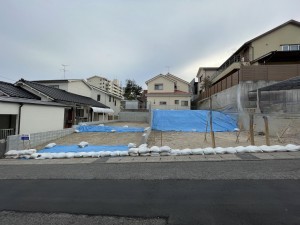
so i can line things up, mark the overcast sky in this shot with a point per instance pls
(128, 39)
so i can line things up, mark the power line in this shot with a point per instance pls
(7, 78)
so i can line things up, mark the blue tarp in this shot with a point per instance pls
(191, 121)
(89, 148)
(109, 129)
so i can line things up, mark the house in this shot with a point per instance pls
(112, 87)
(264, 60)
(82, 87)
(22, 112)
(168, 92)
(79, 108)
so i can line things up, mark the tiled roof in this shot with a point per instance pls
(61, 95)
(29, 101)
(14, 91)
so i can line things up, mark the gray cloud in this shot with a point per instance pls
(128, 39)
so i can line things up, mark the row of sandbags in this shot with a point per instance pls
(143, 150)
(14, 154)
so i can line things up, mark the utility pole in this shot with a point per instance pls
(64, 69)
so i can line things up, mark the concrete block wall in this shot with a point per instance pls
(134, 117)
(14, 142)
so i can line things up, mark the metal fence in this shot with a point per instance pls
(6, 132)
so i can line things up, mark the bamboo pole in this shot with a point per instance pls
(251, 129)
(267, 130)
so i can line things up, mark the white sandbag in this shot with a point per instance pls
(96, 155)
(83, 144)
(115, 153)
(133, 150)
(292, 148)
(131, 145)
(144, 150)
(208, 151)
(105, 154)
(220, 150)
(144, 135)
(175, 152)
(101, 125)
(186, 151)
(70, 155)
(83, 124)
(24, 157)
(124, 153)
(27, 152)
(84, 154)
(278, 148)
(133, 154)
(12, 153)
(78, 155)
(90, 154)
(155, 154)
(165, 149)
(143, 146)
(145, 154)
(197, 151)
(230, 150)
(266, 148)
(50, 145)
(77, 131)
(113, 131)
(59, 155)
(252, 149)
(146, 129)
(164, 153)
(155, 149)
(126, 126)
(240, 149)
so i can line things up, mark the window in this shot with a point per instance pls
(163, 103)
(98, 97)
(109, 98)
(184, 103)
(291, 47)
(176, 102)
(115, 102)
(158, 87)
(175, 86)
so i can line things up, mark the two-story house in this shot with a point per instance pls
(264, 60)
(82, 87)
(168, 92)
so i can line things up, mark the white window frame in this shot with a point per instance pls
(158, 87)
(183, 103)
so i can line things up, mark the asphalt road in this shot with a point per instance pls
(181, 201)
(230, 192)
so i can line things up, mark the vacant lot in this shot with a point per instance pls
(181, 140)
(99, 138)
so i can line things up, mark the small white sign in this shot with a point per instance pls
(25, 137)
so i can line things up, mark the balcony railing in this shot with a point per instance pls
(225, 65)
(6, 132)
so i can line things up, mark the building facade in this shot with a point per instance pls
(264, 60)
(168, 92)
(110, 86)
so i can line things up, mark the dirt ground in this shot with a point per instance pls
(176, 140)
(182, 140)
(99, 138)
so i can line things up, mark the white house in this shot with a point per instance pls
(168, 92)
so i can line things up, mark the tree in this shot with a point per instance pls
(132, 90)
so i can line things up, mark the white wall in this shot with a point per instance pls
(38, 118)
(104, 99)
(9, 108)
(79, 88)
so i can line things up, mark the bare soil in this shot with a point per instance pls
(182, 140)
(99, 138)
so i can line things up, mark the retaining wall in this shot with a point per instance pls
(14, 142)
(134, 117)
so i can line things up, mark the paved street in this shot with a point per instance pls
(175, 192)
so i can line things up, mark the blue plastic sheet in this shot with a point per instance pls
(89, 148)
(191, 121)
(109, 129)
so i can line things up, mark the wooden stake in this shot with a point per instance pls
(212, 134)
(161, 138)
(267, 130)
(251, 130)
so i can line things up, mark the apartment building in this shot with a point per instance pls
(111, 86)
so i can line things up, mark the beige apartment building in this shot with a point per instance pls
(168, 92)
(110, 86)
